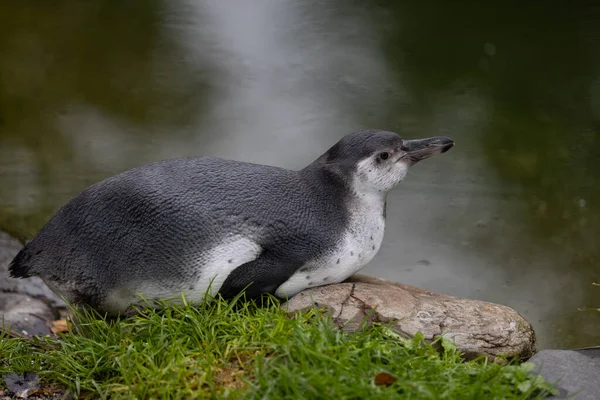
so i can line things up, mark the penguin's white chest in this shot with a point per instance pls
(357, 246)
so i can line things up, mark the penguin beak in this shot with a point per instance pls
(420, 149)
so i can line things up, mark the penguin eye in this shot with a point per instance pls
(384, 156)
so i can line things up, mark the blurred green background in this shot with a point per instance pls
(510, 215)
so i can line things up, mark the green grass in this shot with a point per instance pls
(237, 350)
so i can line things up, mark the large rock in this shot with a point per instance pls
(9, 247)
(476, 327)
(25, 315)
(27, 306)
(576, 373)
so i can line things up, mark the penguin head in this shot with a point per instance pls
(378, 160)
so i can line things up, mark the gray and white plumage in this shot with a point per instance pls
(182, 225)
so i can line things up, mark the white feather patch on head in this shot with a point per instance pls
(380, 176)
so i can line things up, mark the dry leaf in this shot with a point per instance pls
(59, 326)
(384, 379)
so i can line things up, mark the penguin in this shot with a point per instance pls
(202, 226)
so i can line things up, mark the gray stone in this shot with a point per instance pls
(576, 373)
(23, 314)
(34, 286)
(476, 327)
(22, 385)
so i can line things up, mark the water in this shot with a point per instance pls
(510, 215)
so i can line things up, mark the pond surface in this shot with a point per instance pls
(510, 215)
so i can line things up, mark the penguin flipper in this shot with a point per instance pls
(260, 276)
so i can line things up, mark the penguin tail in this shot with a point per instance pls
(20, 266)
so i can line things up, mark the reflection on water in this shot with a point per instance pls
(510, 215)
